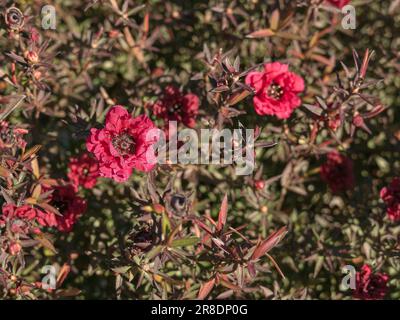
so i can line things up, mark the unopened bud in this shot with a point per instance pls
(31, 56)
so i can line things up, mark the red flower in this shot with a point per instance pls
(83, 171)
(391, 196)
(70, 206)
(370, 286)
(337, 172)
(276, 90)
(174, 106)
(339, 3)
(28, 213)
(125, 143)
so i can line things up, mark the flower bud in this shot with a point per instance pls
(259, 184)
(14, 248)
(31, 56)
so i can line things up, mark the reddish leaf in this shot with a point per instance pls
(65, 269)
(236, 98)
(205, 289)
(269, 243)
(262, 33)
(222, 213)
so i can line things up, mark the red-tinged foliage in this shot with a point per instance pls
(83, 105)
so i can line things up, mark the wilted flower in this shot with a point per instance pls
(370, 286)
(175, 106)
(83, 171)
(125, 143)
(337, 172)
(391, 196)
(276, 90)
(141, 240)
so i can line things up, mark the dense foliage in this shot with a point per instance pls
(81, 194)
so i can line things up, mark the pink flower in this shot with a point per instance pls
(337, 172)
(175, 106)
(83, 171)
(70, 206)
(339, 3)
(28, 213)
(125, 143)
(391, 196)
(276, 90)
(370, 286)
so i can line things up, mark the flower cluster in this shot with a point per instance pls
(27, 214)
(68, 208)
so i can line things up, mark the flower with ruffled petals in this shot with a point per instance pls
(28, 213)
(83, 171)
(175, 106)
(276, 90)
(337, 172)
(369, 285)
(391, 196)
(125, 143)
(68, 204)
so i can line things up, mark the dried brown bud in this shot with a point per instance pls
(14, 19)
(177, 203)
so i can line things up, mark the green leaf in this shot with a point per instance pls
(123, 269)
(166, 225)
(184, 242)
(154, 252)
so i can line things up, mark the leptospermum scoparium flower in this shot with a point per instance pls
(176, 106)
(369, 285)
(337, 172)
(83, 171)
(276, 90)
(123, 144)
(391, 196)
(339, 3)
(69, 205)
